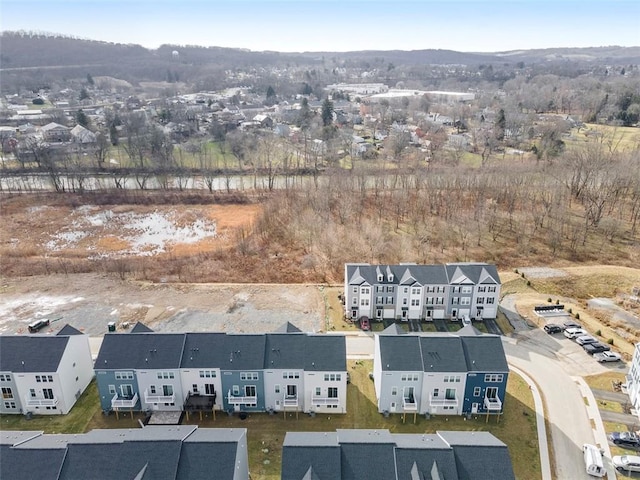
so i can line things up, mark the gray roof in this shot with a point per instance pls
(408, 274)
(31, 353)
(438, 352)
(202, 350)
(23, 464)
(140, 350)
(69, 330)
(285, 351)
(369, 454)
(242, 352)
(140, 327)
(287, 327)
(325, 353)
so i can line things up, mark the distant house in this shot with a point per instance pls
(440, 373)
(285, 370)
(82, 135)
(265, 121)
(178, 452)
(55, 133)
(379, 454)
(44, 374)
(424, 292)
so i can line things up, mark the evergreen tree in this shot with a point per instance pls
(327, 113)
(90, 79)
(84, 94)
(82, 119)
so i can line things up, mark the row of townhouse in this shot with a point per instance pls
(421, 292)
(185, 452)
(44, 374)
(439, 373)
(145, 370)
(178, 452)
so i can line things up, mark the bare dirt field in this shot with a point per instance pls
(90, 301)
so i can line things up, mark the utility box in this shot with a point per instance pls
(111, 326)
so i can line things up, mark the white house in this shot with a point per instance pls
(633, 381)
(44, 374)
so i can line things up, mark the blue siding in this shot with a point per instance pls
(104, 378)
(477, 379)
(231, 378)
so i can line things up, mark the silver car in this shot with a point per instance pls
(626, 463)
(607, 357)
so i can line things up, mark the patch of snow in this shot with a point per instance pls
(65, 239)
(542, 272)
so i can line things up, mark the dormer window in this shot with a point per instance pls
(380, 278)
(391, 277)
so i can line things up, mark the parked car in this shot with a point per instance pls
(626, 463)
(574, 332)
(595, 347)
(364, 324)
(584, 339)
(571, 324)
(552, 328)
(607, 357)
(38, 325)
(625, 439)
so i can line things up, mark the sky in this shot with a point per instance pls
(335, 25)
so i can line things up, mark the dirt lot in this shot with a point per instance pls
(89, 302)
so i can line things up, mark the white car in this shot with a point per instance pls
(626, 463)
(574, 332)
(584, 339)
(607, 357)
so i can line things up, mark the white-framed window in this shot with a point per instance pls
(441, 289)
(415, 302)
(248, 376)
(465, 300)
(436, 392)
(332, 377)
(277, 389)
(379, 288)
(44, 378)
(389, 300)
(379, 300)
(430, 300)
(450, 394)
(318, 392)
(332, 392)
(415, 291)
(456, 290)
(404, 301)
(290, 375)
(390, 289)
(493, 377)
(112, 389)
(5, 377)
(482, 289)
(491, 289)
(476, 391)
(207, 373)
(455, 300)
(409, 377)
(405, 289)
(365, 291)
(7, 393)
(380, 278)
(355, 301)
(440, 301)
(364, 302)
(490, 300)
(480, 300)
(431, 288)
(124, 375)
(165, 375)
(394, 390)
(355, 289)
(467, 289)
(10, 405)
(235, 390)
(452, 379)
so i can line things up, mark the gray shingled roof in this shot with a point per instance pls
(140, 350)
(326, 353)
(316, 450)
(442, 353)
(204, 350)
(400, 353)
(485, 353)
(31, 353)
(69, 330)
(23, 464)
(285, 351)
(287, 327)
(479, 452)
(243, 352)
(140, 327)
(478, 273)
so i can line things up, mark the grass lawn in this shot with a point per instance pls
(266, 432)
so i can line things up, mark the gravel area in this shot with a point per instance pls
(542, 272)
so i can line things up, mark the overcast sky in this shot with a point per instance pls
(334, 25)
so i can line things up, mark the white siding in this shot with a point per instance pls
(191, 376)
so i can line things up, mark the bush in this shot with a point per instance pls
(516, 270)
(569, 310)
(599, 332)
(522, 275)
(610, 341)
(577, 316)
(557, 302)
(37, 101)
(549, 300)
(528, 283)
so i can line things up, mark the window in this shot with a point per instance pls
(292, 390)
(332, 392)
(207, 373)
(194, 388)
(440, 289)
(490, 300)
(452, 378)
(235, 390)
(436, 392)
(152, 389)
(431, 289)
(355, 301)
(248, 376)
(332, 377)
(491, 289)
(5, 377)
(465, 301)
(277, 389)
(429, 300)
(415, 291)
(124, 375)
(317, 394)
(38, 378)
(415, 302)
(476, 391)
(167, 390)
(380, 279)
(454, 300)
(365, 291)
(364, 302)
(165, 375)
(404, 301)
(450, 394)
(394, 390)
(405, 289)
(409, 377)
(480, 300)
(355, 289)
(378, 300)
(209, 389)
(47, 393)
(482, 289)
(467, 289)
(49, 378)
(440, 301)
(10, 405)
(32, 392)
(249, 390)
(456, 290)
(389, 300)
(7, 393)
(290, 375)
(390, 289)
(493, 377)
(112, 389)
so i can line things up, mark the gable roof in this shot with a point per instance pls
(140, 327)
(485, 353)
(400, 353)
(302, 451)
(325, 353)
(23, 464)
(31, 353)
(442, 353)
(69, 330)
(287, 327)
(409, 274)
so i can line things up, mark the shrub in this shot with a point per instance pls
(610, 341)
(557, 302)
(549, 300)
(599, 332)
(528, 283)
(37, 101)
(522, 274)
(577, 316)
(569, 311)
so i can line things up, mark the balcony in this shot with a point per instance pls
(493, 404)
(153, 398)
(40, 402)
(443, 402)
(325, 401)
(238, 400)
(409, 404)
(124, 402)
(290, 401)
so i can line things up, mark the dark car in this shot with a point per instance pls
(595, 347)
(364, 324)
(552, 328)
(571, 324)
(625, 439)
(38, 325)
